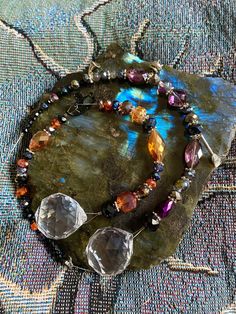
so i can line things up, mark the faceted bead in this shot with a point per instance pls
(21, 179)
(44, 106)
(55, 123)
(194, 129)
(53, 97)
(149, 124)
(64, 91)
(156, 146)
(121, 74)
(22, 163)
(22, 191)
(191, 118)
(192, 153)
(105, 105)
(126, 202)
(152, 221)
(138, 115)
(62, 119)
(59, 215)
(151, 183)
(181, 185)
(162, 90)
(189, 173)
(136, 76)
(156, 176)
(105, 75)
(165, 208)
(109, 210)
(109, 251)
(39, 141)
(158, 167)
(21, 171)
(116, 105)
(177, 98)
(74, 84)
(25, 203)
(33, 226)
(96, 75)
(186, 110)
(28, 155)
(125, 107)
(143, 191)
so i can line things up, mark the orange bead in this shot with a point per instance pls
(138, 115)
(106, 105)
(21, 191)
(34, 226)
(126, 202)
(55, 123)
(39, 141)
(22, 163)
(151, 183)
(156, 146)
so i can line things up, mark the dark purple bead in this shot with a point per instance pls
(28, 155)
(165, 208)
(192, 153)
(109, 210)
(162, 90)
(149, 124)
(152, 221)
(158, 167)
(177, 98)
(136, 76)
(194, 129)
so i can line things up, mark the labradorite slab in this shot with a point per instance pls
(97, 155)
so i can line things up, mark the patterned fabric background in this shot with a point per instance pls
(42, 41)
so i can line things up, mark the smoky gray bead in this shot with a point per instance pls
(181, 185)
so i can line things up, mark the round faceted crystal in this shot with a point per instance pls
(109, 251)
(59, 215)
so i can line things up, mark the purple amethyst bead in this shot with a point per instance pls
(177, 98)
(136, 75)
(192, 153)
(165, 208)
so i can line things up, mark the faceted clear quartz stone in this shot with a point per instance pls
(59, 215)
(109, 251)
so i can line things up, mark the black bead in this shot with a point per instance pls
(152, 221)
(105, 75)
(44, 106)
(28, 155)
(64, 91)
(109, 210)
(21, 179)
(149, 124)
(194, 129)
(155, 176)
(120, 74)
(186, 110)
(25, 203)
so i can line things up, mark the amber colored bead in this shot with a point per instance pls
(151, 183)
(106, 105)
(21, 191)
(39, 141)
(156, 146)
(33, 226)
(126, 202)
(138, 115)
(22, 163)
(55, 123)
(143, 191)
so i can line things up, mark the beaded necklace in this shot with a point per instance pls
(98, 253)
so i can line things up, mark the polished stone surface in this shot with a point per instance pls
(98, 155)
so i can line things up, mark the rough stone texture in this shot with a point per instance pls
(101, 155)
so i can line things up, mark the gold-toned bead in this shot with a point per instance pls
(156, 146)
(74, 84)
(138, 115)
(191, 118)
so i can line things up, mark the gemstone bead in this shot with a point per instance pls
(151, 183)
(28, 155)
(181, 185)
(25, 203)
(191, 118)
(126, 202)
(53, 97)
(109, 210)
(22, 191)
(22, 163)
(136, 76)
(177, 98)
(21, 171)
(149, 124)
(143, 191)
(64, 91)
(59, 215)
(138, 115)
(74, 84)
(165, 208)
(158, 167)
(156, 145)
(156, 176)
(125, 107)
(39, 141)
(109, 251)
(55, 123)
(115, 105)
(194, 129)
(44, 106)
(33, 226)
(189, 173)
(106, 105)
(192, 153)
(21, 178)
(152, 221)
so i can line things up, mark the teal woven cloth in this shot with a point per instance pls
(40, 43)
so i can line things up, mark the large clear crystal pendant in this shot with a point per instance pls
(59, 215)
(109, 251)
